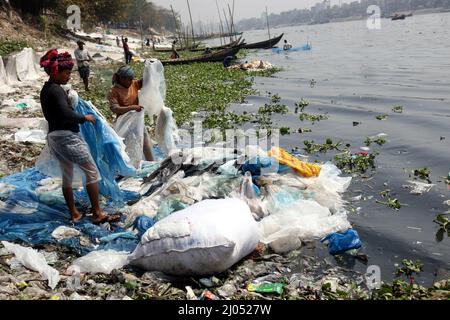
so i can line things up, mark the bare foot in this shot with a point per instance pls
(76, 216)
(101, 217)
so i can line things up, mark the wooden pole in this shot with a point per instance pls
(177, 30)
(234, 28)
(231, 23)
(228, 26)
(192, 24)
(268, 27)
(221, 23)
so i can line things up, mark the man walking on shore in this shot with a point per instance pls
(83, 57)
(126, 50)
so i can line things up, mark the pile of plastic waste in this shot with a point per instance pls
(197, 211)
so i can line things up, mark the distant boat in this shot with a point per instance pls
(167, 49)
(306, 47)
(267, 44)
(225, 46)
(402, 16)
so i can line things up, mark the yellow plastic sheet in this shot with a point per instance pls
(304, 169)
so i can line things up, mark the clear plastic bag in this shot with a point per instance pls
(35, 261)
(131, 127)
(167, 131)
(153, 91)
(303, 220)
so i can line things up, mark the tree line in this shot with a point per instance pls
(321, 14)
(118, 13)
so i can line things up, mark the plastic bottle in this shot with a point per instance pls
(74, 281)
(266, 288)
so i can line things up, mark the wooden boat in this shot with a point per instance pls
(178, 49)
(398, 17)
(212, 57)
(229, 45)
(267, 44)
(305, 47)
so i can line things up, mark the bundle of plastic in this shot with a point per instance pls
(206, 238)
(4, 83)
(23, 66)
(299, 208)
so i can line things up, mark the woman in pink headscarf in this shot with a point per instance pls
(63, 137)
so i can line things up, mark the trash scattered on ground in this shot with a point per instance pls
(266, 288)
(35, 261)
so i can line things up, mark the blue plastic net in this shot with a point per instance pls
(24, 218)
(106, 151)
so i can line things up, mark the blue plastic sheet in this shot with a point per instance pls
(305, 47)
(342, 242)
(106, 151)
(142, 224)
(23, 218)
(256, 166)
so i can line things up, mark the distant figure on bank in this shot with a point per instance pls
(83, 57)
(126, 50)
(207, 51)
(174, 54)
(147, 42)
(287, 45)
(118, 41)
(227, 61)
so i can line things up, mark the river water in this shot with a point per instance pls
(359, 74)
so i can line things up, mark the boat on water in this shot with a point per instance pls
(305, 47)
(217, 56)
(225, 46)
(167, 49)
(402, 16)
(267, 44)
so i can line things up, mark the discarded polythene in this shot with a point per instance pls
(208, 295)
(304, 169)
(340, 243)
(266, 288)
(142, 224)
(34, 260)
(258, 165)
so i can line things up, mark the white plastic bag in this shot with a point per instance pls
(33, 136)
(130, 127)
(64, 232)
(100, 262)
(206, 238)
(166, 131)
(153, 91)
(35, 261)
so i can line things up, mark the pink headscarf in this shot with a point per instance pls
(52, 61)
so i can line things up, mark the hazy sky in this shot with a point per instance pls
(206, 10)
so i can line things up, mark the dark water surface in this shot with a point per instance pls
(359, 74)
